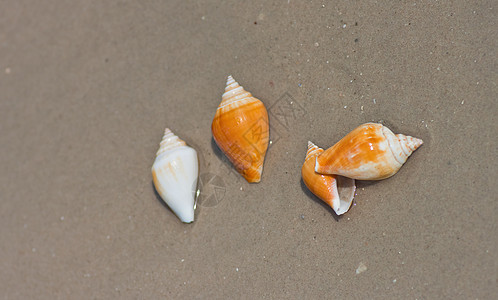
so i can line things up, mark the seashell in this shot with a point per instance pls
(241, 130)
(175, 173)
(369, 152)
(336, 191)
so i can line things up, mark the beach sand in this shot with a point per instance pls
(87, 88)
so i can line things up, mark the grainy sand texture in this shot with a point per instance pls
(88, 87)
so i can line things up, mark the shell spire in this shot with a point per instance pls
(174, 173)
(336, 191)
(313, 150)
(234, 92)
(231, 84)
(369, 152)
(408, 145)
(241, 129)
(169, 141)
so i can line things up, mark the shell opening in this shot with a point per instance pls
(345, 189)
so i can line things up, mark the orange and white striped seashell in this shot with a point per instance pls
(369, 152)
(336, 191)
(241, 130)
(175, 172)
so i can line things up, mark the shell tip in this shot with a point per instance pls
(255, 178)
(186, 215)
(231, 84)
(312, 146)
(313, 150)
(409, 142)
(253, 175)
(259, 172)
(414, 143)
(339, 211)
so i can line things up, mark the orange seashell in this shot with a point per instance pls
(369, 152)
(241, 130)
(336, 191)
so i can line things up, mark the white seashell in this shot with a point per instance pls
(175, 172)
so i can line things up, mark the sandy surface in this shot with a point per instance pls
(87, 88)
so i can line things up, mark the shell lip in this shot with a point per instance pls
(346, 197)
(319, 168)
(341, 190)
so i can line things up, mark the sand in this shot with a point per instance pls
(87, 88)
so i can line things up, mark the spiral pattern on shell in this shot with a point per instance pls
(313, 150)
(169, 141)
(241, 130)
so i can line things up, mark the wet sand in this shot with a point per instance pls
(86, 90)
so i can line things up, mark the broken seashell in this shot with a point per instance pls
(369, 152)
(241, 130)
(336, 191)
(175, 173)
